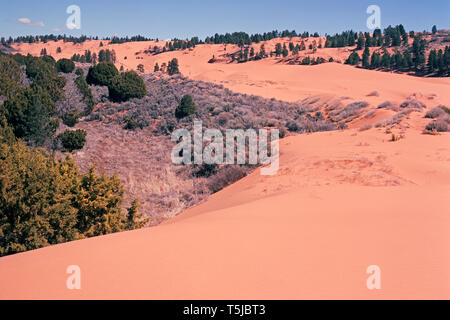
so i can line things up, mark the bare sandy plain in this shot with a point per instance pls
(340, 202)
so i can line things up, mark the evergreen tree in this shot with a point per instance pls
(135, 219)
(245, 54)
(433, 61)
(101, 56)
(262, 51)
(302, 46)
(365, 58)
(375, 61)
(252, 52)
(65, 65)
(278, 49)
(172, 67)
(440, 61)
(73, 139)
(185, 108)
(386, 60)
(101, 74)
(285, 51)
(405, 39)
(408, 60)
(361, 42)
(434, 29)
(125, 86)
(418, 50)
(353, 59)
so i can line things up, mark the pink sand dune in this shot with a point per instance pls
(310, 231)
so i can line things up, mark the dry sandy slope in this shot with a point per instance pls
(268, 77)
(340, 202)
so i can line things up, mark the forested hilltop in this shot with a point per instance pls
(391, 49)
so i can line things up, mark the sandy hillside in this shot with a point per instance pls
(340, 202)
(270, 78)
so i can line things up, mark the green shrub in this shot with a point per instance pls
(70, 119)
(185, 108)
(46, 201)
(49, 59)
(172, 67)
(353, 59)
(65, 65)
(132, 123)
(79, 72)
(125, 86)
(44, 74)
(73, 139)
(439, 125)
(82, 85)
(29, 112)
(102, 74)
(10, 74)
(20, 59)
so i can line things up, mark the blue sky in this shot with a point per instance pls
(187, 18)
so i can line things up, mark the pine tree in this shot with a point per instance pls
(361, 42)
(278, 49)
(440, 61)
(353, 59)
(135, 219)
(185, 108)
(375, 60)
(302, 46)
(408, 60)
(285, 51)
(432, 61)
(434, 29)
(386, 60)
(405, 39)
(172, 67)
(101, 56)
(245, 54)
(108, 57)
(262, 51)
(252, 52)
(418, 50)
(156, 68)
(365, 58)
